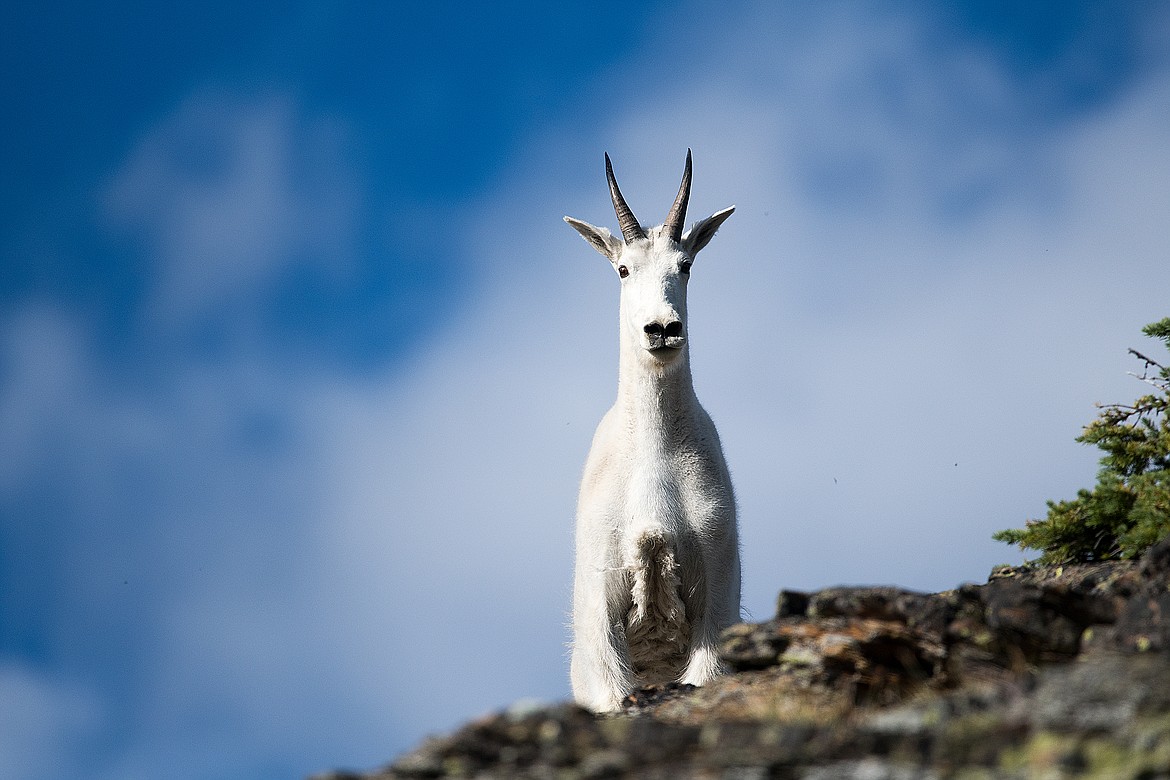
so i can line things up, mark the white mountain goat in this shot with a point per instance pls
(657, 561)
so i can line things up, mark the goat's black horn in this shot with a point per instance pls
(626, 219)
(678, 212)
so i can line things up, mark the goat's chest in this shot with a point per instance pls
(660, 488)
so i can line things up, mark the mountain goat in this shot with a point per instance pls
(657, 551)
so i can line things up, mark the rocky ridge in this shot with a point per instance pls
(1047, 672)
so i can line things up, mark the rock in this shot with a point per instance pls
(873, 603)
(791, 603)
(753, 646)
(1056, 672)
(1143, 619)
(655, 695)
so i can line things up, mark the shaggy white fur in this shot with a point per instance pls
(657, 552)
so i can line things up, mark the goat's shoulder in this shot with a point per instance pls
(701, 439)
(603, 467)
(609, 441)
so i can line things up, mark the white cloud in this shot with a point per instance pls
(45, 724)
(42, 356)
(228, 193)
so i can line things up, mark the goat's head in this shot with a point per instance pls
(654, 266)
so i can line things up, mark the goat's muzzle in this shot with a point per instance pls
(663, 337)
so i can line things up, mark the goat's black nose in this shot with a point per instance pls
(672, 329)
(658, 336)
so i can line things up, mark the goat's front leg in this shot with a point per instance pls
(703, 662)
(718, 609)
(600, 667)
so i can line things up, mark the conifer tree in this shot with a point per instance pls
(1129, 508)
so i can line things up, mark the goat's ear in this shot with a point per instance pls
(603, 241)
(703, 231)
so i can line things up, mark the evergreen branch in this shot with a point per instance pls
(1155, 381)
(1147, 360)
(1115, 414)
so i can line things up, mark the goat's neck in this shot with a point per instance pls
(655, 403)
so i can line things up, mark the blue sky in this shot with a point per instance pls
(289, 456)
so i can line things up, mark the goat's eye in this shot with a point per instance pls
(685, 268)
(623, 272)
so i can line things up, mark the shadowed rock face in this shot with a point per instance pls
(1055, 672)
